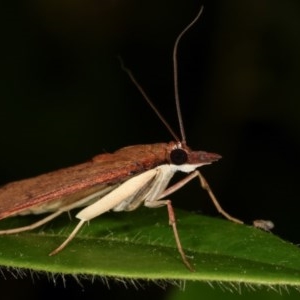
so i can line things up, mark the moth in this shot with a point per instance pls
(119, 181)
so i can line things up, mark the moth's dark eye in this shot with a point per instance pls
(178, 157)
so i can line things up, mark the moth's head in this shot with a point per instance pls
(187, 160)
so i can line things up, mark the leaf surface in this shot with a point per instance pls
(140, 245)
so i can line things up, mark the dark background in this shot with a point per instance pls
(64, 99)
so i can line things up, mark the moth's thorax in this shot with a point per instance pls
(186, 168)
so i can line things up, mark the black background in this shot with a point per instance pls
(64, 99)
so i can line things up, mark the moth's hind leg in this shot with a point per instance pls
(69, 238)
(33, 225)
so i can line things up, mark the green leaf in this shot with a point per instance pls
(140, 244)
(193, 289)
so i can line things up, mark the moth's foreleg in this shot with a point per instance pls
(206, 187)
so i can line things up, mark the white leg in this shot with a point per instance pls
(126, 190)
(32, 226)
(206, 187)
(69, 239)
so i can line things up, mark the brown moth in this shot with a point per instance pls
(120, 181)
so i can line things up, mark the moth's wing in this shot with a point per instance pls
(63, 187)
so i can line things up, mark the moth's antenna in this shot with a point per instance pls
(177, 100)
(148, 100)
(175, 68)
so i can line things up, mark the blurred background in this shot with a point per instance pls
(64, 99)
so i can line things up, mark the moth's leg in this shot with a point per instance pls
(206, 187)
(172, 222)
(124, 191)
(68, 240)
(32, 226)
